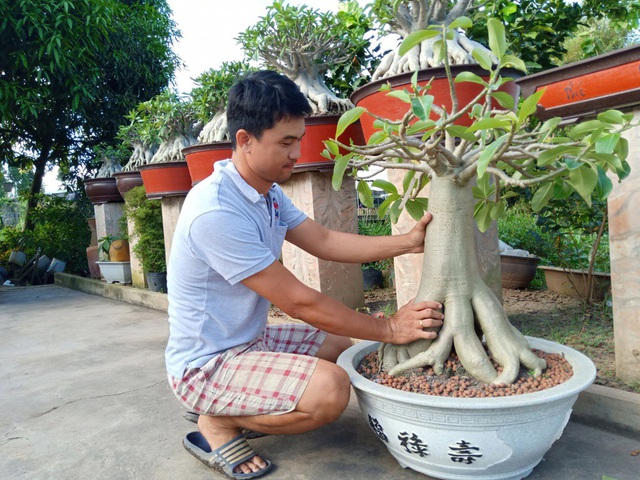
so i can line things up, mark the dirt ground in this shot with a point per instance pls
(544, 314)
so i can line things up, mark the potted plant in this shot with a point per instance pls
(169, 121)
(467, 168)
(115, 262)
(318, 45)
(103, 188)
(575, 265)
(209, 99)
(146, 216)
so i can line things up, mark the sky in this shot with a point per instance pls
(208, 31)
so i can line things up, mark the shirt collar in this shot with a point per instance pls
(228, 168)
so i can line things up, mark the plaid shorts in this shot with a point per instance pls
(265, 376)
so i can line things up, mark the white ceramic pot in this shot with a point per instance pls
(113, 272)
(469, 438)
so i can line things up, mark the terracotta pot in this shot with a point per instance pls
(119, 251)
(573, 283)
(381, 104)
(92, 260)
(168, 179)
(518, 272)
(318, 129)
(201, 157)
(102, 190)
(125, 181)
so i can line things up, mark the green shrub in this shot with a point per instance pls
(375, 227)
(146, 216)
(60, 231)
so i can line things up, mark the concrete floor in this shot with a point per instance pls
(84, 396)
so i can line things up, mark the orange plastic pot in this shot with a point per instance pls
(170, 179)
(200, 158)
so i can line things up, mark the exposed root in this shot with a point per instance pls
(215, 130)
(507, 345)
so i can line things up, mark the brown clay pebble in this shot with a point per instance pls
(456, 382)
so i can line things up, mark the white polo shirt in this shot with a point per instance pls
(226, 232)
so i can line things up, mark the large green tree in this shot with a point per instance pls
(69, 72)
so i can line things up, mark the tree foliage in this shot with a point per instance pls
(70, 71)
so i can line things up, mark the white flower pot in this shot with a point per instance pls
(469, 438)
(113, 272)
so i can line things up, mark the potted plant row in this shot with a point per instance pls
(467, 165)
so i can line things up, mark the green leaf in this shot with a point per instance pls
(332, 147)
(497, 37)
(483, 58)
(482, 214)
(338, 170)
(400, 94)
(460, 132)
(461, 22)
(470, 77)
(498, 210)
(542, 197)
(513, 62)
(504, 99)
(365, 194)
(585, 128)
(604, 186)
(549, 156)
(607, 143)
(420, 126)
(421, 106)
(529, 106)
(394, 210)
(414, 209)
(416, 38)
(489, 123)
(347, 118)
(487, 155)
(584, 180)
(612, 116)
(408, 177)
(625, 172)
(386, 186)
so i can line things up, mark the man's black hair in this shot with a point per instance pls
(260, 100)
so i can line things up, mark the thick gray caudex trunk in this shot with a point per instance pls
(451, 276)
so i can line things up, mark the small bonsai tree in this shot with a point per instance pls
(137, 136)
(407, 18)
(210, 97)
(146, 216)
(311, 47)
(110, 158)
(160, 128)
(467, 168)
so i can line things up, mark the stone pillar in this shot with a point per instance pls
(138, 279)
(171, 207)
(624, 242)
(107, 218)
(312, 193)
(408, 268)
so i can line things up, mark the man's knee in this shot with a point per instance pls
(327, 394)
(333, 346)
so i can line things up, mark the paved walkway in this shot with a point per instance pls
(83, 396)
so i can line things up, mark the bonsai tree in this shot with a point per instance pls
(309, 47)
(137, 136)
(110, 158)
(467, 168)
(160, 128)
(146, 216)
(408, 17)
(210, 96)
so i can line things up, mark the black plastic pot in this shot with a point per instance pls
(157, 281)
